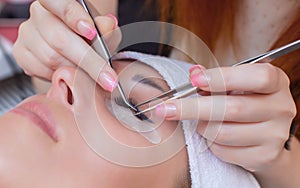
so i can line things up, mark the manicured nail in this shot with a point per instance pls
(166, 110)
(199, 80)
(107, 81)
(115, 19)
(86, 30)
(196, 67)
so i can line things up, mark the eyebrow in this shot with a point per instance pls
(141, 79)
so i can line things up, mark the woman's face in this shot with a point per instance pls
(41, 145)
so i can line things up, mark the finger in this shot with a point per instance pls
(41, 50)
(75, 49)
(73, 14)
(109, 30)
(105, 24)
(247, 157)
(258, 78)
(24, 55)
(234, 134)
(253, 108)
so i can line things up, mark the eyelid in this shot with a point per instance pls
(119, 101)
(146, 81)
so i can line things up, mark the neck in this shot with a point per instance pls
(257, 26)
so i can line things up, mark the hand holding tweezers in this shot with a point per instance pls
(99, 45)
(189, 89)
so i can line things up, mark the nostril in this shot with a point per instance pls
(61, 89)
(70, 96)
(67, 92)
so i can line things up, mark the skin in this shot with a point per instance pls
(48, 51)
(29, 157)
(254, 128)
(242, 138)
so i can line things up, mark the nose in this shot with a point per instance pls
(62, 88)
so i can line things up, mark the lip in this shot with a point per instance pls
(40, 115)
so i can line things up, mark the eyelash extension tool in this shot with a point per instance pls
(99, 45)
(188, 89)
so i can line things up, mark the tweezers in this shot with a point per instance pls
(188, 89)
(99, 45)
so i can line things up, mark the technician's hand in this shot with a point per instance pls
(53, 37)
(247, 128)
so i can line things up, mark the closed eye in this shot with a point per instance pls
(119, 101)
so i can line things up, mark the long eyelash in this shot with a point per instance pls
(141, 116)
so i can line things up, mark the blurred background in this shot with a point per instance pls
(12, 13)
(15, 86)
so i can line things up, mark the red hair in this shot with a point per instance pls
(208, 17)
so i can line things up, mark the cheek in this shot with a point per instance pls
(120, 129)
(112, 175)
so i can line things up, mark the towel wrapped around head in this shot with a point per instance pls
(205, 168)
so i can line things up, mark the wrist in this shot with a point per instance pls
(283, 171)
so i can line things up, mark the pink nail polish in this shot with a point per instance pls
(86, 30)
(199, 80)
(107, 81)
(196, 67)
(115, 19)
(166, 110)
(159, 111)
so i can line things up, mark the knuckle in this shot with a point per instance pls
(28, 73)
(266, 74)
(290, 112)
(293, 111)
(69, 12)
(279, 135)
(53, 60)
(283, 136)
(34, 8)
(25, 32)
(22, 29)
(233, 108)
(16, 52)
(58, 40)
(19, 52)
(270, 156)
(281, 78)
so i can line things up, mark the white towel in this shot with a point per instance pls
(206, 169)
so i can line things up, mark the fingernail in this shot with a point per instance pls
(86, 30)
(199, 80)
(115, 19)
(196, 68)
(107, 81)
(166, 110)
